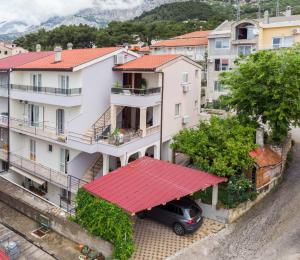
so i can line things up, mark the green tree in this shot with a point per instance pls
(220, 146)
(265, 87)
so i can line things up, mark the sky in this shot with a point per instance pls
(34, 12)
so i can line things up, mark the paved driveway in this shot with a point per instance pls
(156, 241)
(271, 230)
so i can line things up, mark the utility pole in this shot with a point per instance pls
(238, 10)
(277, 7)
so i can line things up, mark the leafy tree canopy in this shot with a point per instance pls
(265, 87)
(220, 146)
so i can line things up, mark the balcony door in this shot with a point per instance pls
(64, 159)
(36, 81)
(33, 114)
(32, 150)
(60, 121)
(64, 84)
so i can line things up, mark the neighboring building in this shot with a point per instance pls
(77, 114)
(232, 39)
(10, 49)
(192, 45)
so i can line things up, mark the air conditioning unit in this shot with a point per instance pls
(185, 87)
(296, 31)
(185, 120)
(119, 59)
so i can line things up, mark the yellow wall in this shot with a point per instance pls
(266, 35)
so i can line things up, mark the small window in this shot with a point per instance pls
(244, 50)
(218, 87)
(50, 148)
(222, 43)
(221, 64)
(5, 53)
(196, 74)
(277, 42)
(185, 78)
(177, 109)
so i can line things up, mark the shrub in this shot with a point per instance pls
(105, 220)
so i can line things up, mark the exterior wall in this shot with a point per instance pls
(173, 94)
(266, 35)
(196, 53)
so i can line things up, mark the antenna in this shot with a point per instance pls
(238, 11)
(277, 7)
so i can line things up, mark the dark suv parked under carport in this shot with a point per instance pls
(183, 215)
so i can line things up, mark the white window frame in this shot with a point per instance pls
(244, 47)
(217, 90)
(221, 65)
(177, 111)
(184, 78)
(283, 40)
(222, 43)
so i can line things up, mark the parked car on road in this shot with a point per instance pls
(184, 215)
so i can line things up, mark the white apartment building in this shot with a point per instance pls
(10, 49)
(77, 114)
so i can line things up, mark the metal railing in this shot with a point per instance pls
(38, 128)
(4, 120)
(39, 170)
(136, 91)
(47, 90)
(152, 130)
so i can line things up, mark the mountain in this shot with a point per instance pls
(98, 16)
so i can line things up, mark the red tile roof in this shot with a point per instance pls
(70, 59)
(147, 62)
(21, 59)
(146, 183)
(3, 256)
(197, 34)
(189, 39)
(265, 156)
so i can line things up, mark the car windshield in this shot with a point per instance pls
(193, 211)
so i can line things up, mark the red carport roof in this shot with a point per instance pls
(146, 183)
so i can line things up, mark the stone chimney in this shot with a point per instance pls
(260, 137)
(266, 16)
(70, 46)
(58, 51)
(288, 11)
(38, 48)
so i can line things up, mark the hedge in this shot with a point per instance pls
(105, 220)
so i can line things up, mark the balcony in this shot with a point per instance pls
(137, 97)
(43, 172)
(48, 95)
(4, 90)
(3, 120)
(38, 129)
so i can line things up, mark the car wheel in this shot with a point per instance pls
(178, 229)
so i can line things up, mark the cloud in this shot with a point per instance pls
(33, 12)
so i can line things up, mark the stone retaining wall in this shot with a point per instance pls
(32, 206)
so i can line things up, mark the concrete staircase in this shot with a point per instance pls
(93, 170)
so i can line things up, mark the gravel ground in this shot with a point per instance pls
(270, 230)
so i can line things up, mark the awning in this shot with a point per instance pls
(28, 175)
(146, 183)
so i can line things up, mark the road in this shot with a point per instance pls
(271, 230)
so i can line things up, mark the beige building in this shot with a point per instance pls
(10, 49)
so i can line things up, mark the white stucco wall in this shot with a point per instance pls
(173, 94)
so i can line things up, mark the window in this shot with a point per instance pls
(50, 148)
(36, 81)
(33, 115)
(222, 43)
(221, 64)
(5, 53)
(279, 42)
(196, 104)
(64, 84)
(196, 74)
(244, 49)
(185, 78)
(177, 109)
(218, 87)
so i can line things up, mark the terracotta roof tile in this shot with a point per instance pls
(147, 62)
(265, 156)
(181, 42)
(197, 34)
(70, 59)
(146, 183)
(21, 59)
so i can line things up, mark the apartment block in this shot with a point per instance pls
(10, 49)
(75, 115)
(233, 39)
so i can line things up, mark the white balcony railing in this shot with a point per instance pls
(41, 171)
(152, 130)
(39, 129)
